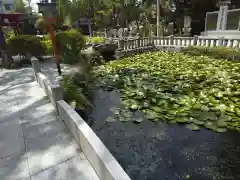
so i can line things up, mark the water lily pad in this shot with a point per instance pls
(225, 117)
(138, 120)
(199, 91)
(221, 130)
(221, 123)
(192, 126)
(182, 120)
(134, 107)
(197, 122)
(123, 119)
(210, 125)
(156, 108)
(111, 119)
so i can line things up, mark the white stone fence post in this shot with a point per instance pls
(53, 91)
(131, 43)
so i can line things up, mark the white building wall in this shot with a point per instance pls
(7, 6)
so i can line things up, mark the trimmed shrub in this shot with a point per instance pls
(48, 46)
(215, 52)
(69, 45)
(26, 46)
(96, 40)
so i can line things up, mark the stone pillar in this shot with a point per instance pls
(90, 29)
(121, 43)
(239, 24)
(187, 26)
(171, 40)
(222, 17)
(195, 39)
(57, 94)
(36, 67)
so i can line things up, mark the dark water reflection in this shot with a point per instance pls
(156, 151)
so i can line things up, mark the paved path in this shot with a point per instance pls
(34, 145)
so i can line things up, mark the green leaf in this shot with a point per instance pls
(138, 120)
(123, 119)
(111, 119)
(182, 120)
(195, 121)
(134, 107)
(192, 126)
(221, 130)
(210, 125)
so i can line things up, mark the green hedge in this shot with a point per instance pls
(215, 52)
(96, 40)
(48, 46)
(26, 46)
(69, 45)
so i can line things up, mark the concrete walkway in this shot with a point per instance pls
(34, 145)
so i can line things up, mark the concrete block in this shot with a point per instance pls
(98, 155)
(36, 67)
(76, 168)
(14, 167)
(48, 145)
(11, 138)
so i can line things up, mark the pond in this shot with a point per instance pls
(160, 115)
(157, 150)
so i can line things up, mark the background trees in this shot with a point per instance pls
(109, 13)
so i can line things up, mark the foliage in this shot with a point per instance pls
(20, 6)
(8, 33)
(77, 85)
(27, 46)
(215, 52)
(69, 44)
(41, 25)
(93, 57)
(74, 94)
(177, 88)
(96, 40)
(48, 46)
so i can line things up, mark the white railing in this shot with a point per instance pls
(172, 41)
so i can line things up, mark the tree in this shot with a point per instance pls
(41, 25)
(20, 6)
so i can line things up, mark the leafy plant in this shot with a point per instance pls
(70, 43)
(73, 92)
(26, 46)
(96, 40)
(197, 91)
(215, 52)
(77, 85)
(41, 25)
(48, 46)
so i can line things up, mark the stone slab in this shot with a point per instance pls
(48, 145)
(14, 167)
(42, 114)
(76, 168)
(98, 155)
(11, 138)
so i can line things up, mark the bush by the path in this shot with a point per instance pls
(26, 46)
(215, 52)
(177, 88)
(96, 40)
(69, 44)
(48, 46)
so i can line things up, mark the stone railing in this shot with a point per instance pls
(102, 161)
(172, 41)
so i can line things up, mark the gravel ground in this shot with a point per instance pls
(156, 151)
